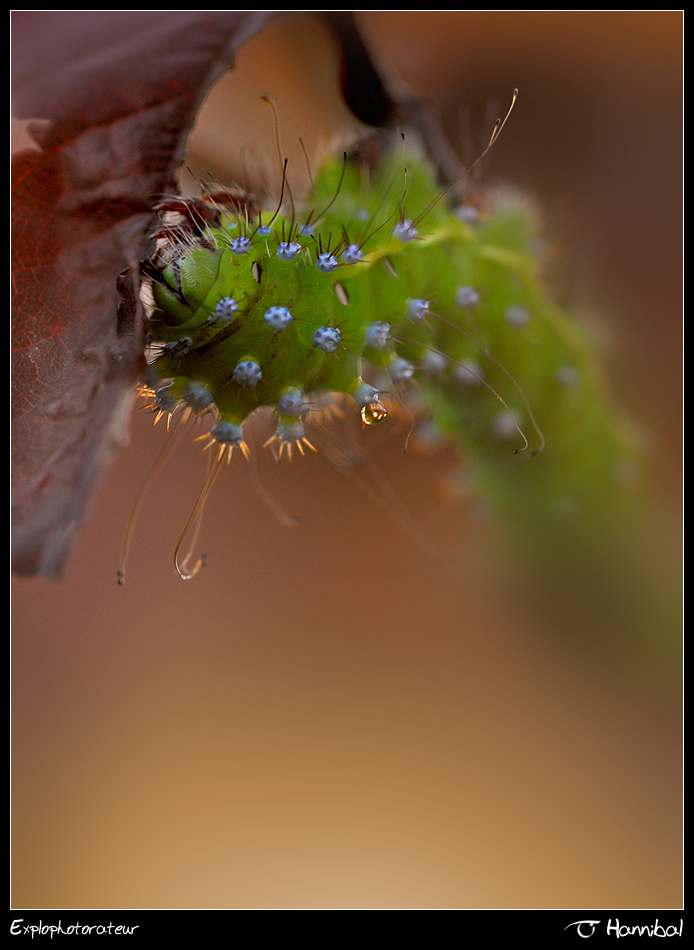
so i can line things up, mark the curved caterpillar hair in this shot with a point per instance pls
(383, 293)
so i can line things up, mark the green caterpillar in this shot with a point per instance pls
(383, 293)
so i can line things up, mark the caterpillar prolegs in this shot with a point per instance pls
(383, 293)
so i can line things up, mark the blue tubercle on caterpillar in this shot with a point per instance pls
(385, 294)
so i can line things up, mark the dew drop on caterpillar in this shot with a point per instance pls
(382, 293)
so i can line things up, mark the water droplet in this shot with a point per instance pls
(373, 413)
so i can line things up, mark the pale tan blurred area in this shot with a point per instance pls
(325, 717)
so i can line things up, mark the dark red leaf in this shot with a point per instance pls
(117, 93)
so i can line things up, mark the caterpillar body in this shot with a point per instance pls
(385, 294)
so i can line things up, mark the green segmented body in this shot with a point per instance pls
(488, 347)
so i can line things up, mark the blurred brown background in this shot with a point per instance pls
(324, 717)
